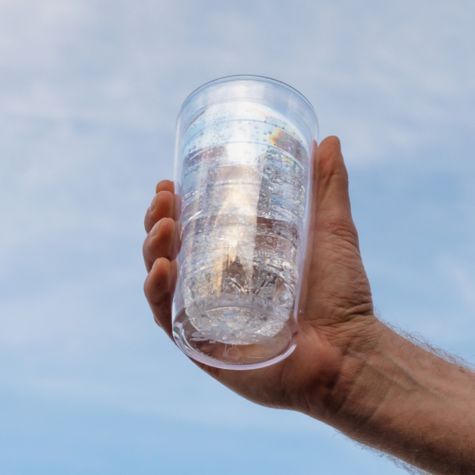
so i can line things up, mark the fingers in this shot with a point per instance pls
(162, 241)
(331, 178)
(158, 288)
(159, 250)
(163, 206)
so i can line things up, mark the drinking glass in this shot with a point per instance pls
(243, 172)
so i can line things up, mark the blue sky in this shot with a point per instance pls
(89, 91)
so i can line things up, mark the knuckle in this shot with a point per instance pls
(166, 220)
(329, 172)
(160, 240)
(150, 288)
(150, 218)
(341, 228)
(150, 246)
(147, 248)
(147, 220)
(146, 287)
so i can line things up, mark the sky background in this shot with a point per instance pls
(89, 92)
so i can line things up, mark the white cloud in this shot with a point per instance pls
(382, 78)
(89, 92)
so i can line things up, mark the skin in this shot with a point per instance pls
(349, 369)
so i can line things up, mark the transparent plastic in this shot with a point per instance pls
(243, 168)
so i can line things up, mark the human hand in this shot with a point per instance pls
(336, 317)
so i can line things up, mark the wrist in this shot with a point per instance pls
(403, 399)
(400, 398)
(347, 401)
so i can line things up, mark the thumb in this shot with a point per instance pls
(331, 195)
(331, 179)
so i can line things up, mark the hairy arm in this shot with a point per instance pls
(407, 401)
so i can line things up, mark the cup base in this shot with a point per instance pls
(266, 352)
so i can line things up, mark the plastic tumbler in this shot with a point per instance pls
(243, 168)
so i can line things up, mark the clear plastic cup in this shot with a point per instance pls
(243, 168)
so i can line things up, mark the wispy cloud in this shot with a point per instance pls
(89, 93)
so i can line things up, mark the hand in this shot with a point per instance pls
(348, 369)
(336, 317)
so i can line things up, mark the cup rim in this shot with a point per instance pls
(247, 77)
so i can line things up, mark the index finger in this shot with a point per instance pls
(165, 185)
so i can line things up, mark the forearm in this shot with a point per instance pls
(409, 402)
